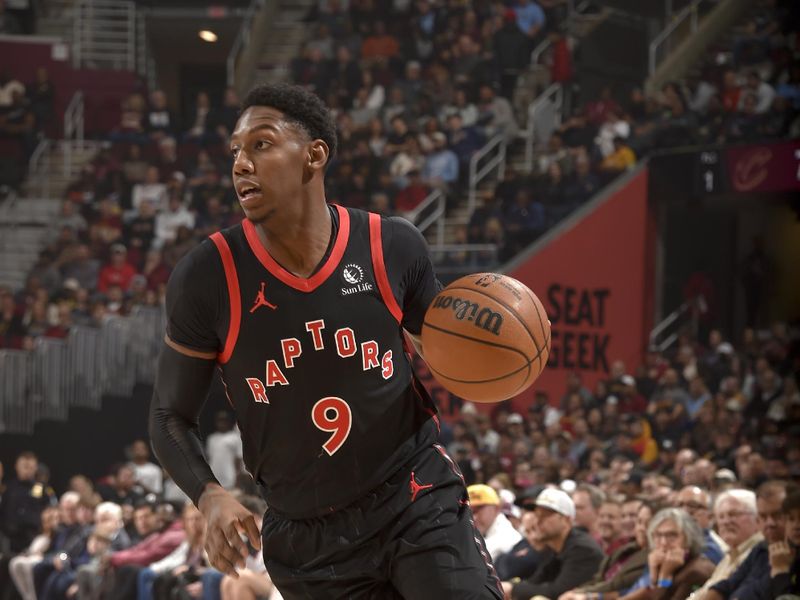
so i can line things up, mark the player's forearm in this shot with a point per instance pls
(180, 390)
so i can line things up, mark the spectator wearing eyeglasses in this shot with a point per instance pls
(697, 503)
(675, 562)
(737, 520)
(752, 578)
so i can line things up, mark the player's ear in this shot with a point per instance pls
(318, 153)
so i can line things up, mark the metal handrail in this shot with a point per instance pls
(554, 94)
(698, 302)
(435, 217)
(73, 128)
(35, 168)
(690, 12)
(241, 41)
(477, 175)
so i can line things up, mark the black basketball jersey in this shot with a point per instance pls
(316, 369)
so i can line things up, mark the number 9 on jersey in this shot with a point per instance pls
(332, 415)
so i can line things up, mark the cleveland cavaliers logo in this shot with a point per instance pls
(261, 300)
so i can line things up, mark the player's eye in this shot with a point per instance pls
(234, 152)
(261, 144)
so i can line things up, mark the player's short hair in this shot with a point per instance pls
(300, 107)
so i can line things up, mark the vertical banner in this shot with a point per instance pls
(595, 281)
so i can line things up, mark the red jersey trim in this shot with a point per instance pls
(233, 292)
(298, 283)
(378, 266)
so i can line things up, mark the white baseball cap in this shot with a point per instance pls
(558, 501)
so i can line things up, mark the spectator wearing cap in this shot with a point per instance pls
(753, 577)
(573, 557)
(497, 530)
(736, 517)
(524, 558)
(117, 272)
(697, 502)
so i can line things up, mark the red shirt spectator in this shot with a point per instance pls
(118, 272)
(410, 196)
(730, 91)
(380, 44)
(561, 69)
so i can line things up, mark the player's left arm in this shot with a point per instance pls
(411, 274)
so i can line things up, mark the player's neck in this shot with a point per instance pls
(299, 242)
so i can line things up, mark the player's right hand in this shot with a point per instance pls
(226, 522)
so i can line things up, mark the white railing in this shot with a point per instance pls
(73, 129)
(242, 40)
(497, 146)
(37, 170)
(551, 100)
(104, 34)
(692, 308)
(689, 13)
(433, 217)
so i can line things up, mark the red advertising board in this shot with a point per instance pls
(595, 280)
(764, 167)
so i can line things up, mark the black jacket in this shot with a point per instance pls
(576, 564)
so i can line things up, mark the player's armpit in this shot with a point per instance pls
(188, 351)
(181, 386)
(417, 341)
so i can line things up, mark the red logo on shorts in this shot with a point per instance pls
(261, 300)
(416, 488)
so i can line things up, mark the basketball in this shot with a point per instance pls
(486, 337)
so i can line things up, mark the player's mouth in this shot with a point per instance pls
(248, 193)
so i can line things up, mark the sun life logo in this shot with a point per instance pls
(353, 274)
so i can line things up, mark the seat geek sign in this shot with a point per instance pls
(595, 281)
(578, 318)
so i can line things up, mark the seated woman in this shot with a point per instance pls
(676, 565)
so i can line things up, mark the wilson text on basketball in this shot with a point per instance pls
(481, 316)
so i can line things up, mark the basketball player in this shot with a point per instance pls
(302, 308)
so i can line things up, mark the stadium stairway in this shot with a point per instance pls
(282, 43)
(26, 223)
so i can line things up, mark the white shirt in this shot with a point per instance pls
(501, 537)
(167, 224)
(149, 476)
(223, 449)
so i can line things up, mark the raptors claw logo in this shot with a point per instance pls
(353, 274)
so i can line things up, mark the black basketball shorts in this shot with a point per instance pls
(412, 537)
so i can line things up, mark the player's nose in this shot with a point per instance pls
(242, 164)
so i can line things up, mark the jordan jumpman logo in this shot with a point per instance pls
(416, 488)
(261, 300)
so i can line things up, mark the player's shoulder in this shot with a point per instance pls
(203, 262)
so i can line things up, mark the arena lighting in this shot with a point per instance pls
(207, 35)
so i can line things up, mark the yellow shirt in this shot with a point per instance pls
(619, 160)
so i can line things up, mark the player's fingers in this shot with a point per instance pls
(236, 544)
(248, 527)
(223, 565)
(219, 549)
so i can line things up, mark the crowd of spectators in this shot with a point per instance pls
(679, 480)
(416, 89)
